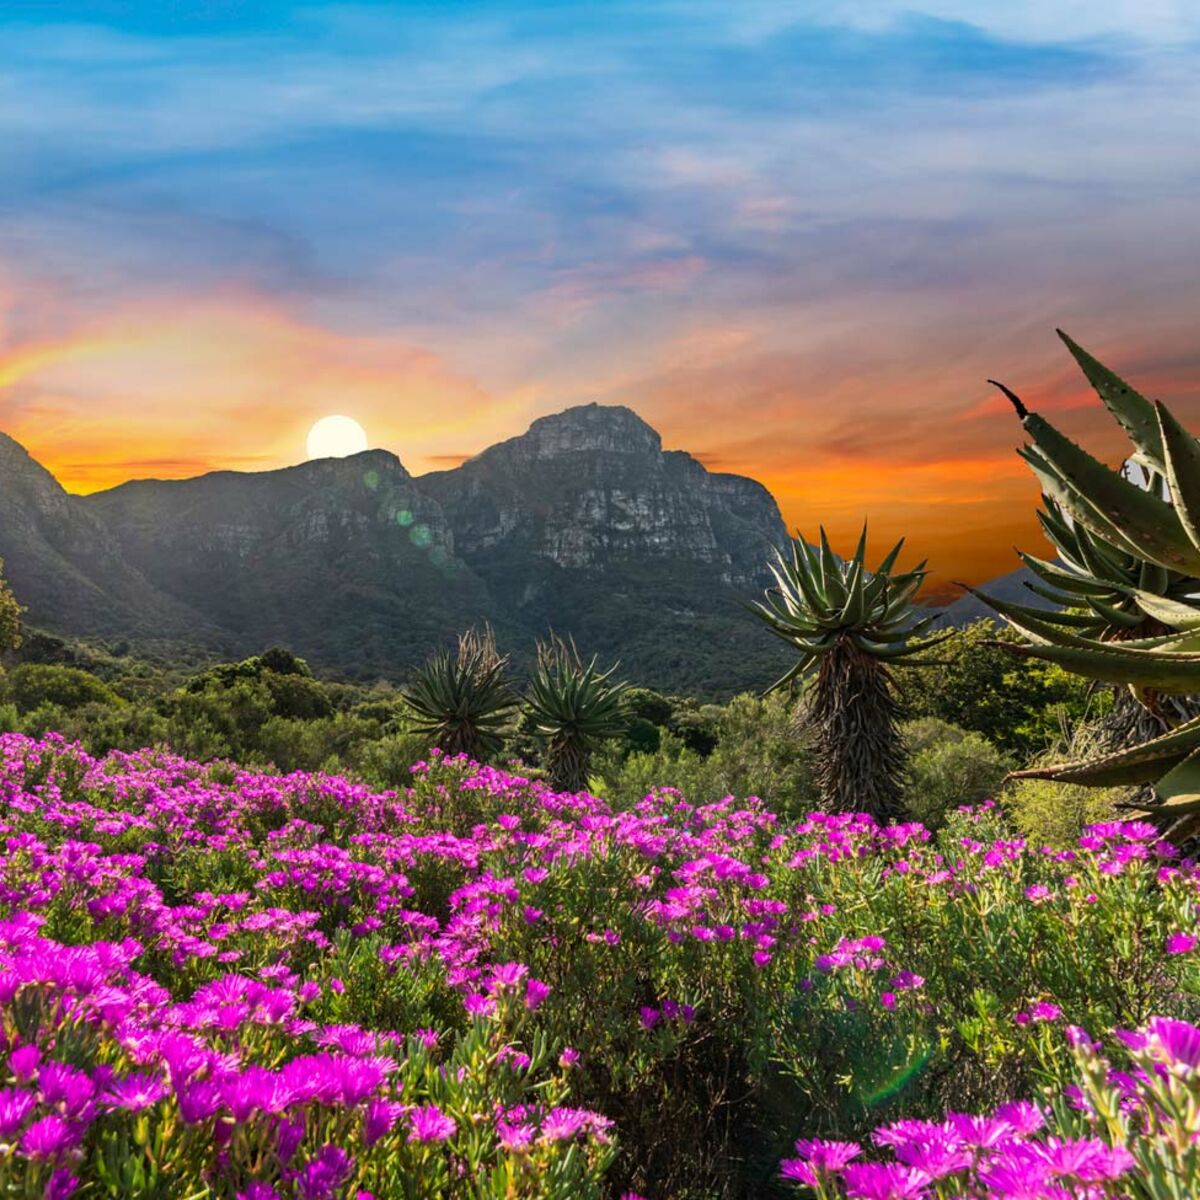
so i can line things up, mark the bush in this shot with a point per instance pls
(31, 685)
(948, 767)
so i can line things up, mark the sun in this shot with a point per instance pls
(336, 437)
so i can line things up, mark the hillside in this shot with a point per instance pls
(584, 525)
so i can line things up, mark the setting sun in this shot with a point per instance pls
(336, 437)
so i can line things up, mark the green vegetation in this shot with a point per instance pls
(461, 702)
(10, 616)
(575, 708)
(1157, 538)
(847, 624)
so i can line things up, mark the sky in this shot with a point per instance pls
(794, 237)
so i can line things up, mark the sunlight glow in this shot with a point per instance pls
(336, 437)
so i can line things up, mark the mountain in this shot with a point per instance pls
(584, 525)
(968, 609)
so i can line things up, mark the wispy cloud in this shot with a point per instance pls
(796, 238)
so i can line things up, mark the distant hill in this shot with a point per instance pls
(584, 525)
(967, 608)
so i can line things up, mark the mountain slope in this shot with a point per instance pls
(343, 560)
(583, 525)
(586, 525)
(66, 566)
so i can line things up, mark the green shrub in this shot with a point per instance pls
(948, 767)
(32, 685)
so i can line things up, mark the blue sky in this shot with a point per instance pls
(794, 237)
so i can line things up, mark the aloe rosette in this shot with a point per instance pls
(1153, 533)
(847, 624)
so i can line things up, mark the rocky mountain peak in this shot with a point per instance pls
(588, 428)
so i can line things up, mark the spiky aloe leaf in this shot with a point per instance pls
(1170, 612)
(1138, 764)
(1110, 505)
(1182, 454)
(1134, 412)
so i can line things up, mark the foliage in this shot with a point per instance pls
(847, 623)
(10, 616)
(461, 702)
(1019, 706)
(1162, 533)
(31, 685)
(259, 968)
(758, 749)
(948, 767)
(574, 707)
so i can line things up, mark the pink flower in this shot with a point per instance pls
(1180, 943)
(535, 992)
(430, 1124)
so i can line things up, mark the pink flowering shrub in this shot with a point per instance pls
(1128, 1132)
(220, 982)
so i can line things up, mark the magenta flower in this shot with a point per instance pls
(535, 992)
(15, 1106)
(884, 1181)
(430, 1124)
(825, 1155)
(1180, 943)
(47, 1138)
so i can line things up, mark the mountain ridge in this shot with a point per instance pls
(583, 524)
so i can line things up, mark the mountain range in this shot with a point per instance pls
(583, 525)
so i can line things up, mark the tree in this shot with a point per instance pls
(461, 701)
(574, 708)
(1160, 530)
(846, 625)
(10, 616)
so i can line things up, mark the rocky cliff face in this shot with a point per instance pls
(591, 489)
(583, 524)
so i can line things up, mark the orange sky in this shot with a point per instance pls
(797, 242)
(234, 380)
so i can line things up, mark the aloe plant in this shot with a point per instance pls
(574, 706)
(846, 625)
(1159, 527)
(461, 701)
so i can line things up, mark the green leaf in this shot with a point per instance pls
(1182, 453)
(1134, 412)
(1170, 612)
(1140, 519)
(1139, 764)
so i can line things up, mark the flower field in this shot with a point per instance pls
(221, 983)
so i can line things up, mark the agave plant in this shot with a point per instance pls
(846, 625)
(461, 701)
(574, 706)
(1156, 526)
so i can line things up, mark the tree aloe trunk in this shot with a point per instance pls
(853, 714)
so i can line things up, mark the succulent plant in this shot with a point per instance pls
(574, 706)
(461, 701)
(1153, 533)
(847, 624)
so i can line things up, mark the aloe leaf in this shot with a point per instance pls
(1057, 577)
(1176, 674)
(1170, 612)
(1115, 616)
(1078, 507)
(1134, 412)
(1149, 523)
(1140, 764)
(1182, 454)
(1179, 789)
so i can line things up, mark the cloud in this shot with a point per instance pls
(796, 238)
